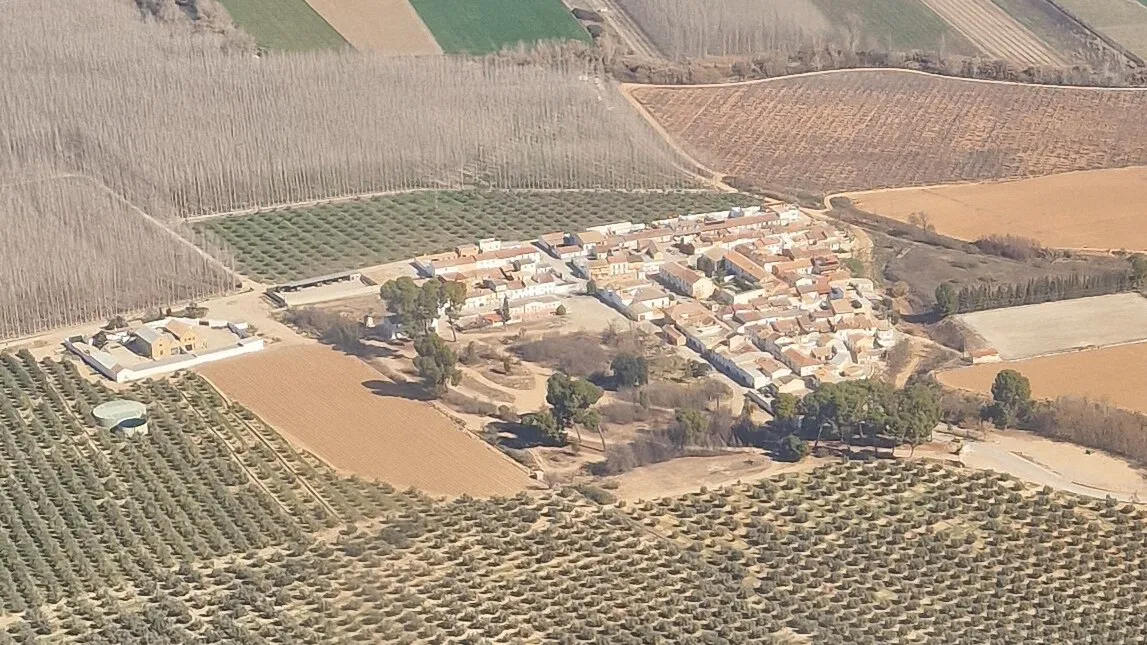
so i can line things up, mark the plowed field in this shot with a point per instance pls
(858, 130)
(390, 27)
(995, 32)
(1117, 375)
(1100, 209)
(349, 415)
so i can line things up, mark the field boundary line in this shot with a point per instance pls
(888, 70)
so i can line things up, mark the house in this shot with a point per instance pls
(790, 384)
(985, 355)
(186, 336)
(154, 343)
(686, 281)
(736, 263)
(799, 362)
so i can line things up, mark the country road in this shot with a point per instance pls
(625, 27)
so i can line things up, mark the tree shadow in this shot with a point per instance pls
(518, 436)
(409, 391)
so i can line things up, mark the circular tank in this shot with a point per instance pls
(113, 413)
(132, 427)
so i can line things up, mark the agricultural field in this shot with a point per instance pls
(293, 243)
(862, 130)
(1066, 37)
(287, 25)
(1098, 209)
(213, 529)
(348, 414)
(78, 253)
(1124, 21)
(994, 32)
(1067, 325)
(462, 26)
(690, 29)
(389, 27)
(1116, 375)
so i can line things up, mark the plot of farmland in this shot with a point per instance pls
(484, 26)
(1033, 330)
(1124, 21)
(290, 25)
(858, 130)
(1117, 375)
(349, 415)
(1098, 209)
(389, 27)
(299, 242)
(995, 32)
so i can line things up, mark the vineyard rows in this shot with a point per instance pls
(210, 529)
(295, 243)
(880, 129)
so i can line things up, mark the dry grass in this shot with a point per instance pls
(349, 415)
(390, 27)
(994, 31)
(1117, 375)
(1098, 209)
(863, 130)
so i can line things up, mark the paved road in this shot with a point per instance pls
(625, 27)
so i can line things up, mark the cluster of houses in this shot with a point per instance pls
(762, 293)
(505, 282)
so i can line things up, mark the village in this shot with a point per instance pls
(764, 294)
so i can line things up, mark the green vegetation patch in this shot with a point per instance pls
(897, 25)
(484, 26)
(294, 243)
(288, 25)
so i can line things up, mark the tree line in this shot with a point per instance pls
(951, 300)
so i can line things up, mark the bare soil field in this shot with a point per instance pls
(389, 27)
(863, 130)
(689, 474)
(352, 417)
(994, 31)
(1035, 330)
(1116, 375)
(1096, 209)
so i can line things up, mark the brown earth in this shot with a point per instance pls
(1117, 375)
(1098, 209)
(352, 417)
(862, 130)
(389, 27)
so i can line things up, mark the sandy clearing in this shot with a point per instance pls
(689, 474)
(1035, 330)
(352, 417)
(1095, 209)
(389, 27)
(1117, 375)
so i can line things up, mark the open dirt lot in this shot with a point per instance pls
(1034, 330)
(352, 417)
(1098, 209)
(862, 130)
(389, 27)
(1117, 375)
(994, 31)
(1057, 464)
(689, 474)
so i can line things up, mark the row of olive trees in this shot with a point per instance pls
(75, 253)
(181, 123)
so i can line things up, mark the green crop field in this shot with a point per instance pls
(212, 529)
(484, 26)
(295, 243)
(289, 25)
(898, 25)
